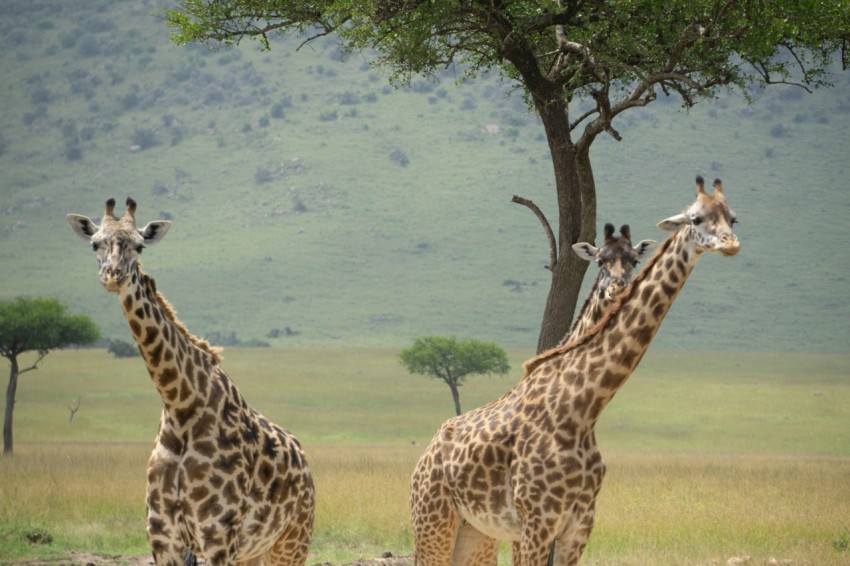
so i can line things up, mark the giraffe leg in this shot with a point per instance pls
(293, 545)
(474, 548)
(433, 516)
(435, 540)
(532, 551)
(570, 545)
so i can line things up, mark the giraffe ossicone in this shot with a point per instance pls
(223, 481)
(526, 467)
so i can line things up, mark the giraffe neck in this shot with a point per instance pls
(591, 312)
(599, 361)
(180, 365)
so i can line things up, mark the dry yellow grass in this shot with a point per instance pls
(745, 457)
(654, 508)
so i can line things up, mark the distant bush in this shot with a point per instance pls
(115, 78)
(16, 37)
(214, 96)
(69, 129)
(68, 39)
(122, 349)
(73, 151)
(98, 24)
(399, 157)
(298, 204)
(422, 86)
(349, 98)
(40, 95)
(264, 122)
(230, 57)
(160, 188)
(329, 116)
(177, 136)
(145, 138)
(286, 331)
(89, 46)
(228, 338)
(263, 176)
(277, 111)
(777, 130)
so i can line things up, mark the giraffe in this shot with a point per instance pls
(223, 481)
(616, 259)
(526, 467)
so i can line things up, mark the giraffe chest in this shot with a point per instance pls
(210, 484)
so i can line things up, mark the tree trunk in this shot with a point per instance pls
(576, 222)
(455, 396)
(10, 405)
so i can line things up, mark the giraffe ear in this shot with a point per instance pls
(674, 222)
(154, 231)
(82, 225)
(585, 251)
(644, 246)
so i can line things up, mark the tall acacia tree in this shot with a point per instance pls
(581, 63)
(37, 325)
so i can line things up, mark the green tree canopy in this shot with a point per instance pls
(580, 64)
(38, 325)
(451, 360)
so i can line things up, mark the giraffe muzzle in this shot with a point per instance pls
(729, 245)
(112, 277)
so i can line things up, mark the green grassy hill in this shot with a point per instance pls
(315, 205)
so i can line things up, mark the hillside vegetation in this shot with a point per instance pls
(313, 204)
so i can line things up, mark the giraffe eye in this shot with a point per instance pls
(697, 220)
(733, 222)
(139, 248)
(95, 246)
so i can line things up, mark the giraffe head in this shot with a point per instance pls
(117, 242)
(710, 220)
(616, 258)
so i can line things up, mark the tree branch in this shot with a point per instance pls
(41, 354)
(553, 246)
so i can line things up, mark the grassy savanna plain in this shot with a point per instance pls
(306, 194)
(710, 455)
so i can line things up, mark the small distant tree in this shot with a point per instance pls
(122, 349)
(37, 325)
(451, 360)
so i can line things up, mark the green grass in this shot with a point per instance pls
(349, 248)
(710, 454)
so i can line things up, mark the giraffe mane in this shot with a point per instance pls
(169, 311)
(575, 341)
